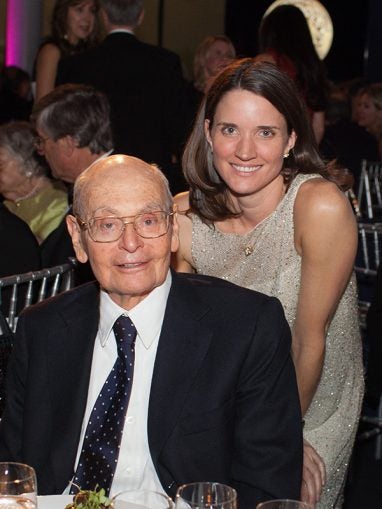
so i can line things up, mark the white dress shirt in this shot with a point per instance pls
(135, 469)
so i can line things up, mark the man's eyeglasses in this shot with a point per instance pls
(40, 142)
(148, 225)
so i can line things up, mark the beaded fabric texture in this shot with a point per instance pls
(99, 455)
(265, 260)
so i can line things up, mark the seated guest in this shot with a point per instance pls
(214, 392)
(18, 246)
(74, 128)
(24, 183)
(369, 112)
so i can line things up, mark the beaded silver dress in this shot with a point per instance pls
(265, 260)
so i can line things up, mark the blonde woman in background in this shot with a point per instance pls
(369, 111)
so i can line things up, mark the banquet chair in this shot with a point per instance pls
(370, 190)
(367, 262)
(24, 290)
(366, 265)
(32, 287)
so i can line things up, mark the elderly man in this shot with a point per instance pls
(73, 124)
(201, 368)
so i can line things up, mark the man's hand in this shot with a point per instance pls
(313, 475)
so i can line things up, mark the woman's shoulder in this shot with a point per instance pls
(49, 48)
(318, 196)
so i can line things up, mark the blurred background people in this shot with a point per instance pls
(74, 28)
(73, 123)
(15, 94)
(261, 214)
(285, 40)
(144, 85)
(345, 140)
(27, 189)
(369, 111)
(211, 56)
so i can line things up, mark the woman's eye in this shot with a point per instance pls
(266, 133)
(229, 130)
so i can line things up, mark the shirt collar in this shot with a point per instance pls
(147, 316)
(121, 30)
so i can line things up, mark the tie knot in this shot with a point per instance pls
(125, 333)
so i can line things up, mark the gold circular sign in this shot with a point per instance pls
(319, 21)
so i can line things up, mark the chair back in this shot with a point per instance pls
(21, 290)
(370, 190)
(366, 265)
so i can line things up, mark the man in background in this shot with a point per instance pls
(144, 85)
(73, 125)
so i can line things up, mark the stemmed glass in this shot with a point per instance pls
(206, 495)
(284, 504)
(141, 499)
(18, 486)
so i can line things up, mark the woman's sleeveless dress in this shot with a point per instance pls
(265, 260)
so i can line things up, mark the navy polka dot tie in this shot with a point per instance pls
(99, 455)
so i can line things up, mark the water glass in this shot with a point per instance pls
(206, 495)
(18, 486)
(141, 499)
(284, 504)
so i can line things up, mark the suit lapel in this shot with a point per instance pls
(183, 344)
(76, 328)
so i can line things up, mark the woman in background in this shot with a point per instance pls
(285, 40)
(24, 183)
(74, 28)
(262, 213)
(369, 111)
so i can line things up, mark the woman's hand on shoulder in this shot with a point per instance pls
(182, 259)
(46, 69)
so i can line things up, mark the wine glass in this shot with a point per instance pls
(18, 486)
(205, 495)
(141, 499)
(284, 504)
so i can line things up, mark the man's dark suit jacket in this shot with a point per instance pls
(223, 404)
(146, 91)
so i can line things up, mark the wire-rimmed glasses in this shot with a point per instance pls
(148, 225)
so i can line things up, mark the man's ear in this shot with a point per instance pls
(76, 235)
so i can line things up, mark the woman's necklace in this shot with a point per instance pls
(31, 193)
(248, 250)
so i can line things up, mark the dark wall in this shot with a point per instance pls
(345, 59)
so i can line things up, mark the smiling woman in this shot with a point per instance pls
(262, 213)
(75, 28)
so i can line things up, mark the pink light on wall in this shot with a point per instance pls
(14, 35)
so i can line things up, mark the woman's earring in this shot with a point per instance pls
(286, 155)
(28, 174)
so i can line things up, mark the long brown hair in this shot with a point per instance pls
(59, 27)
(209, 195)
